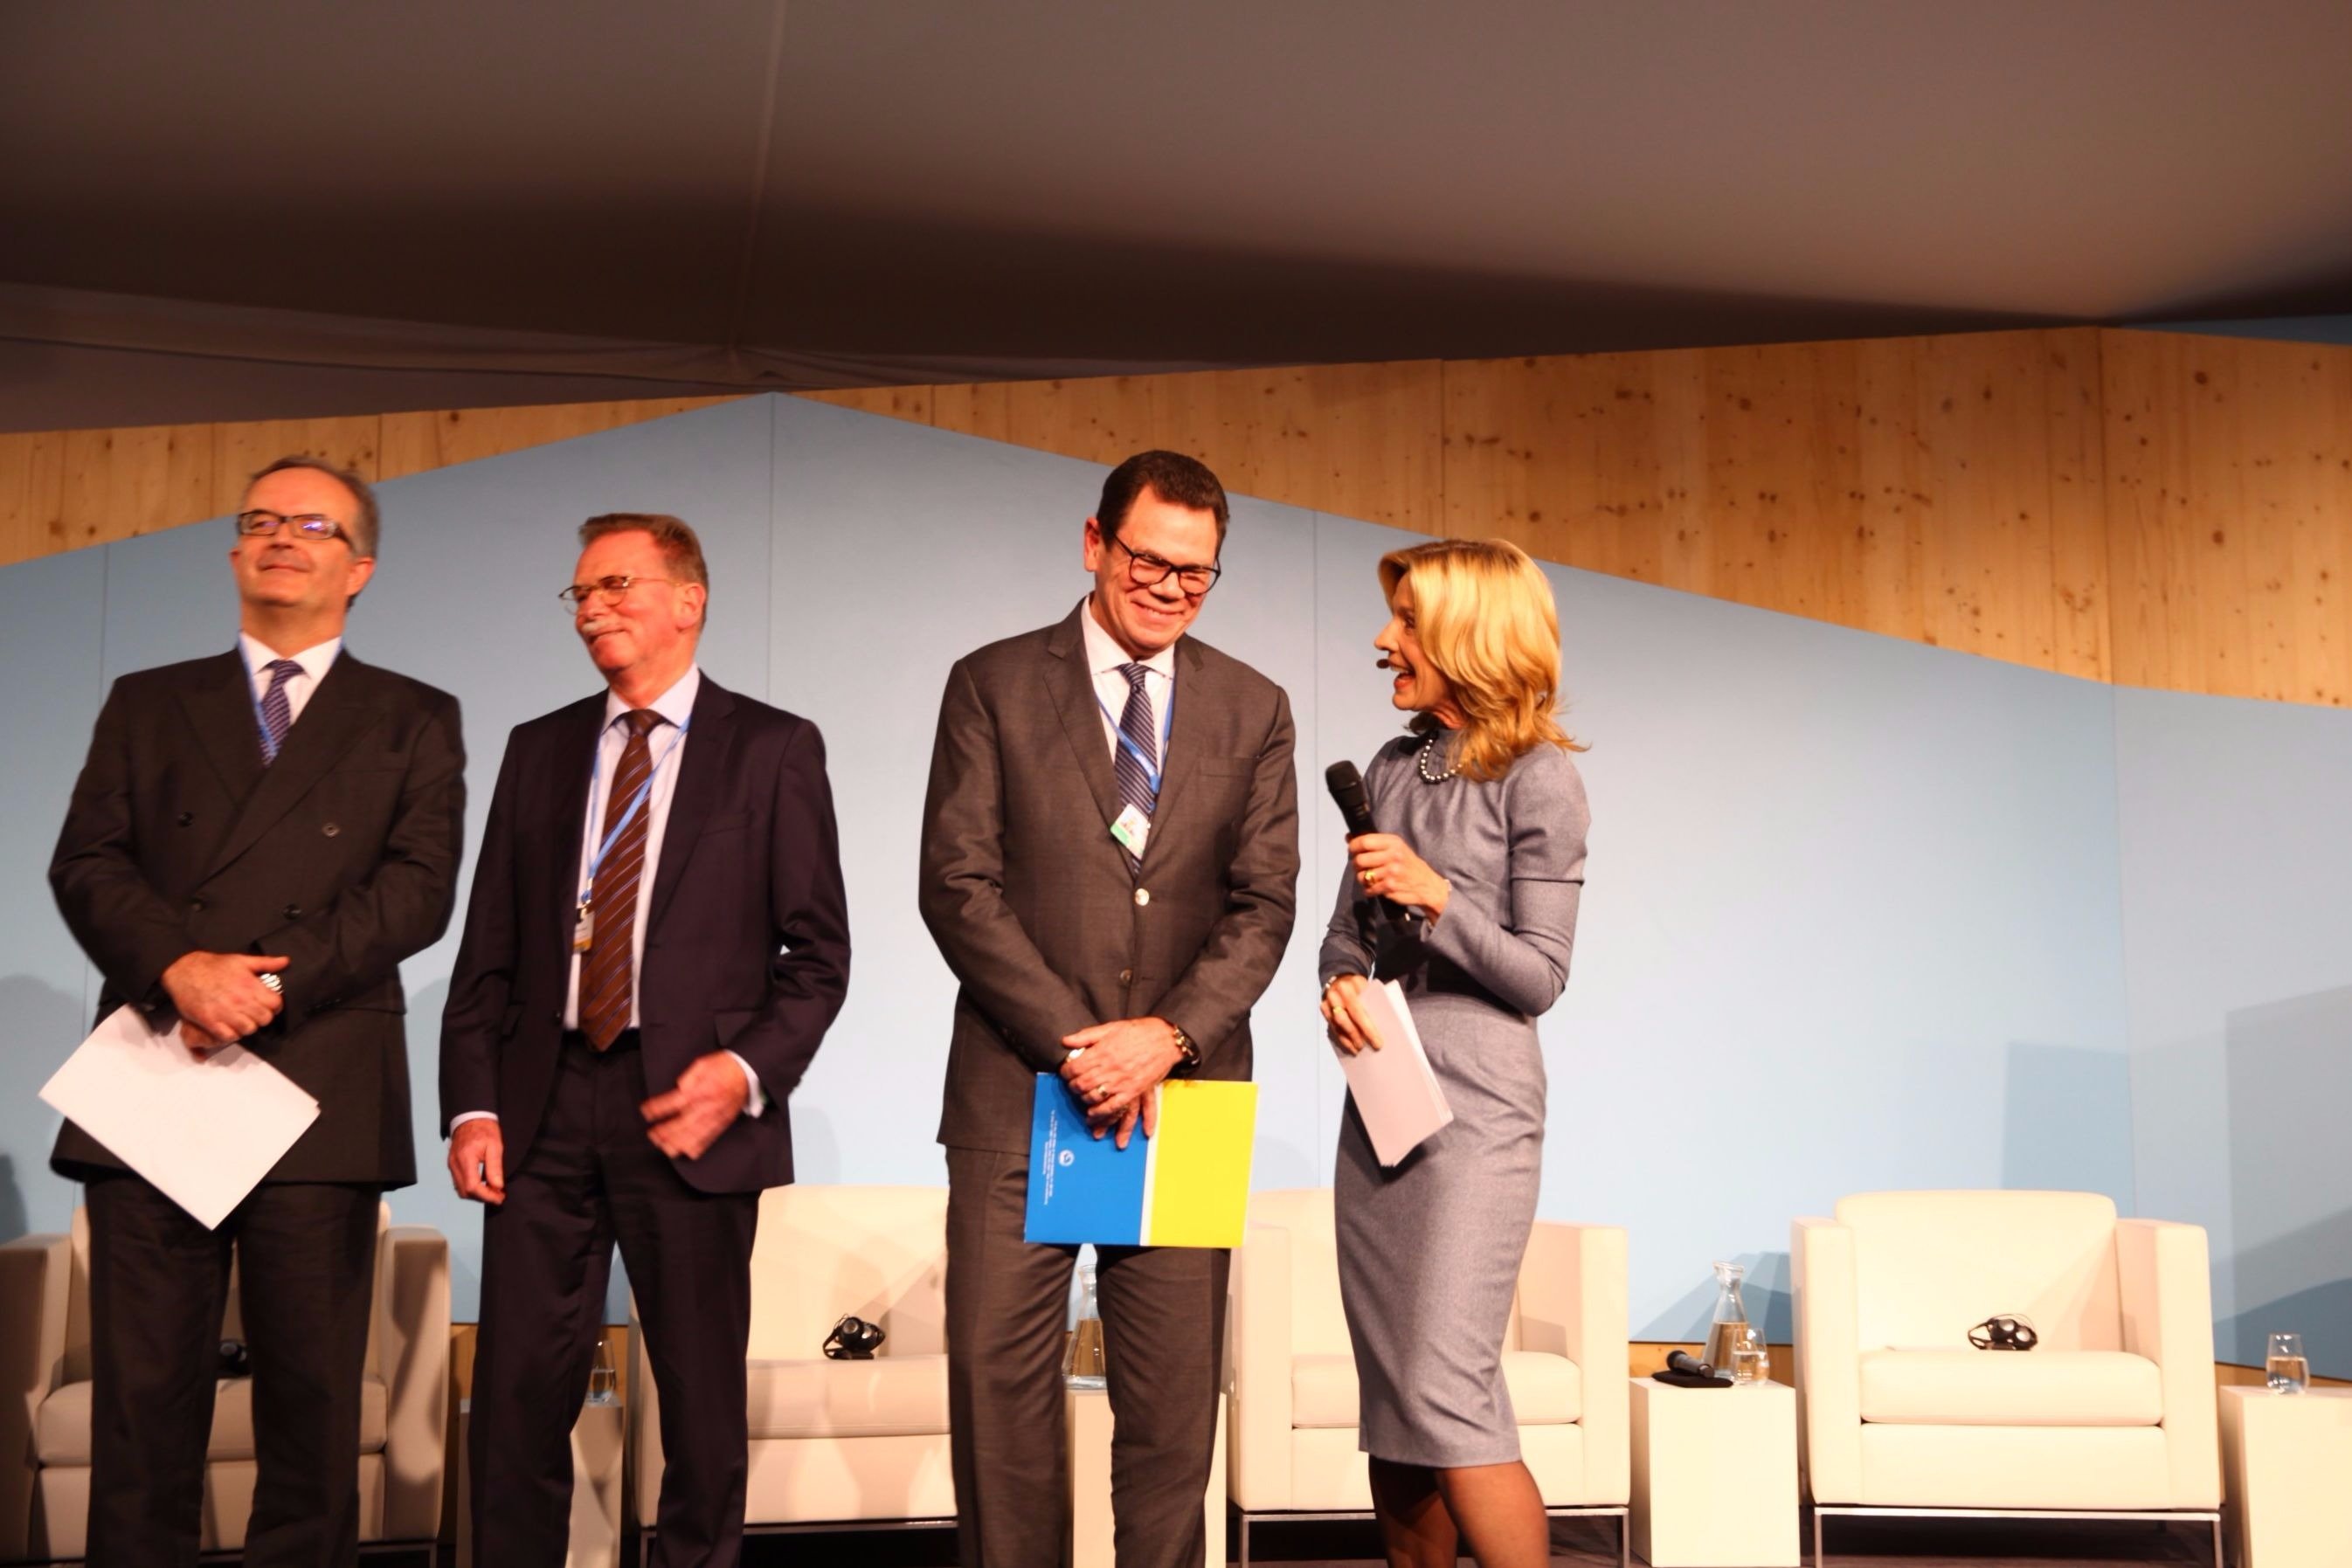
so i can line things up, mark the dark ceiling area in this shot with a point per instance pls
(259, 208)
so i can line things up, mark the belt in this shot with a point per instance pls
(627, 1039)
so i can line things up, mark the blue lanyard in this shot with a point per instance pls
(1167, 722)
(595, 764)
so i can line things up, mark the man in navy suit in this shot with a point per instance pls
(656, 942)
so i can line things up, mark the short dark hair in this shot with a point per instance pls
(1179, 480)
(366, 528)
(679, 549)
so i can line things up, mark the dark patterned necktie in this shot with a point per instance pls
(607, 971)
(1135, 773)
(277, 709)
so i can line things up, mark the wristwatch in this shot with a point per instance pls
(1188, 1054)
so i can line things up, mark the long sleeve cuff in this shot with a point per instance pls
(462, 1117)
(756, 1100)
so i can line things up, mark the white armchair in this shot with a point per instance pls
(834, 1442)
(45, 1414)
(2111, 1414)
(1291, 1373)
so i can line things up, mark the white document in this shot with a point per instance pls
(204, 1132)
(1396, 1092)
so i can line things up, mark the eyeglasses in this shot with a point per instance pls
(1147, 570)
(306, 524)
(610, 589)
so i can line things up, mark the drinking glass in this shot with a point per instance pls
(2289, 1371)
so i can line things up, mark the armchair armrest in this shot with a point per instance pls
(643, 1444)
(1258, 1393)
(1829, 1359)
(1574, 1301)
(35, 1272)
(2168, 1309)
(413, 1348)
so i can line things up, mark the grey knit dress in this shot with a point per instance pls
(1430, 1250)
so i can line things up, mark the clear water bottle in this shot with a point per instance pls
(1083, 1367)
(1730, 1324)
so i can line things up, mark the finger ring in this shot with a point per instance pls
(1365, 877)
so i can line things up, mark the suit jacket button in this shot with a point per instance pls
(197, 905)
(1142, 896)
(293, 912)
(1126, 977)
(330, 830)
(187, 819)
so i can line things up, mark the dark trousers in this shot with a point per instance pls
(1164, 1311)
(592, 1177)
(305, 1254)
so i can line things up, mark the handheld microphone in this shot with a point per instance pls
(1347, 787)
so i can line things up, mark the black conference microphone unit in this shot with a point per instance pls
(1347, 788)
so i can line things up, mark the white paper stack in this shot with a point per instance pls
(204, 1132)
(1396, 1092)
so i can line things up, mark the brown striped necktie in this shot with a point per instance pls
(607, 972)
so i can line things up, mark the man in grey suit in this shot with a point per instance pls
(1109, 865)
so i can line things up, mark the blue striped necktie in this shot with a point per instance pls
(1135, 773)
(277, 710)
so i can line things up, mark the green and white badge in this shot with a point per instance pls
(1131, 830)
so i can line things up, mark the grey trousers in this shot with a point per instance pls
(1164, 1311)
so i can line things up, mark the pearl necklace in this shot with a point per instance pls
(1452, 768)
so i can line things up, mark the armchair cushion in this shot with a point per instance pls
(61, 1434)
(889, 1396)
(1546, 1390)
(1984, 1388)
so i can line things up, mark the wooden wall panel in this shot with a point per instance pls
(2157, 509)
(2230, 514)
(411, 443)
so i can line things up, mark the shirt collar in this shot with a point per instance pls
(315, 659)
(1103, 652)
(675, 705)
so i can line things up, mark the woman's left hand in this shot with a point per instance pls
(1386, 867)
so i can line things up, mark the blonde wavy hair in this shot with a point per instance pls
(1483, 615)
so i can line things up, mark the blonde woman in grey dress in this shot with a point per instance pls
(1486, 821)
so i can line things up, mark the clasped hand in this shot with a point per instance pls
(1122, 1062)
(220, 998)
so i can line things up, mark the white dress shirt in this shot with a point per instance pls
(667, 742)
(1104, 657)
(315, 659)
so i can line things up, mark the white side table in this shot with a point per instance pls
(2284, 1461)
(1087, 1418)
(599, 1439)
(1715, 1476)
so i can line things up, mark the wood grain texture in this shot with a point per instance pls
(2228, 498)
(2154, 508)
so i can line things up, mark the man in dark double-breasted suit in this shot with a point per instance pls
(1109, 865)
(257, 841)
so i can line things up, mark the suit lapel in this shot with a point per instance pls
(219, 706)
(1073, 685)
(701, 767)
(1187, 727)
(337, 714)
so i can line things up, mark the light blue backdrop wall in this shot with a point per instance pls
(1853, 915)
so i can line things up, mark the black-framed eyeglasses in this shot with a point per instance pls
(260, 523)
(1147, 570)
(611, 590)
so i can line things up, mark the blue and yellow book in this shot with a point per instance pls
(1186, 1186)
